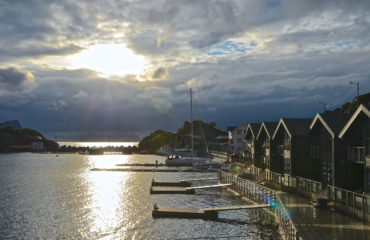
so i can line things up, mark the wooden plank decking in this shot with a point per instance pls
(228, 208)
(171, 183)
(208, 213)
(172, 190)
(211, 186)
(183, 213)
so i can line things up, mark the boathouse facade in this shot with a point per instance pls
(325, 148)
(250, 138)
(264, 145)
(355, 162)
(290, 147)
(237, 143)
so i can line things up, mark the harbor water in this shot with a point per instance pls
(49, 196)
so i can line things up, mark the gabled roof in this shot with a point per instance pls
(269, 128)
(360, 109)
(253, 127)
(332, 121)
(294, 126)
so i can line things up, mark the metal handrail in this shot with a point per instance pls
(260, 193)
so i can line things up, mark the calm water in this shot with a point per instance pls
(43, 196)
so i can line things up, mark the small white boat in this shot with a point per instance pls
(178, 160)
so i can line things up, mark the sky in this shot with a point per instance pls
(118, 70)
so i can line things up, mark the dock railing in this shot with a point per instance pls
(352, 203)
(263, 194)
(307, 187)
(302, 186)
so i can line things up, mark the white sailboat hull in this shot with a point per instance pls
(186, 161)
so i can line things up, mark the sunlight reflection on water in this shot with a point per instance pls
(68, 201)
(107, 190)
(107, 161)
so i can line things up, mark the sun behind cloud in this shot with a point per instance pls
(108, 59)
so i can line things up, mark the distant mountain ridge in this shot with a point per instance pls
(13, 123)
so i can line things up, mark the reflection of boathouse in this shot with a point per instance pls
(264, 144)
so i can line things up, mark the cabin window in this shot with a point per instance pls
(356, 154)
(287, 165)
(286, 142)
(367, 145)
(315, 151)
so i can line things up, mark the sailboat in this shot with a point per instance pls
(178, 159)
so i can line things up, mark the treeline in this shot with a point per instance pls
(205, 135)
(98, 150)
(349, 107)
(20, 140)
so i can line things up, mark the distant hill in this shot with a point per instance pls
(15, 140)
(14, 123)
(182, 138)
(349, 107)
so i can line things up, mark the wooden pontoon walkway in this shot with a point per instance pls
(199, 179)
(188, 190)
(171, 183)
(207, 213)
(171, 190)
(145, 169)
(181, 183)
(211, 186)
(140, 165)
(229, 208)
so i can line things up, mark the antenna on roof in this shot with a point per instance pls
(324, 104)
(358, 90)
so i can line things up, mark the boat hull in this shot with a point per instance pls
(185, 161)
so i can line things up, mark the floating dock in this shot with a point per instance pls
(239, 207)
(210, 186)
(171, 190)
(140, 165)
(171, 183)
(207, 213)
(199, 179)
(183, 213)
(187, 190)
(181, 183)
(144, 170)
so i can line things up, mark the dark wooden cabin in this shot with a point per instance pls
(355, 162)
(290, 151)
(264, 144)
(250, 137)
(325, 147)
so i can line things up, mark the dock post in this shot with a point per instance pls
(363, 208)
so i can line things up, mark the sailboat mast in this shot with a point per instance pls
(191, 119)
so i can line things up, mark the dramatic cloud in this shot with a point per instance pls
(246, 60)
(15, 79)
(161, 74)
